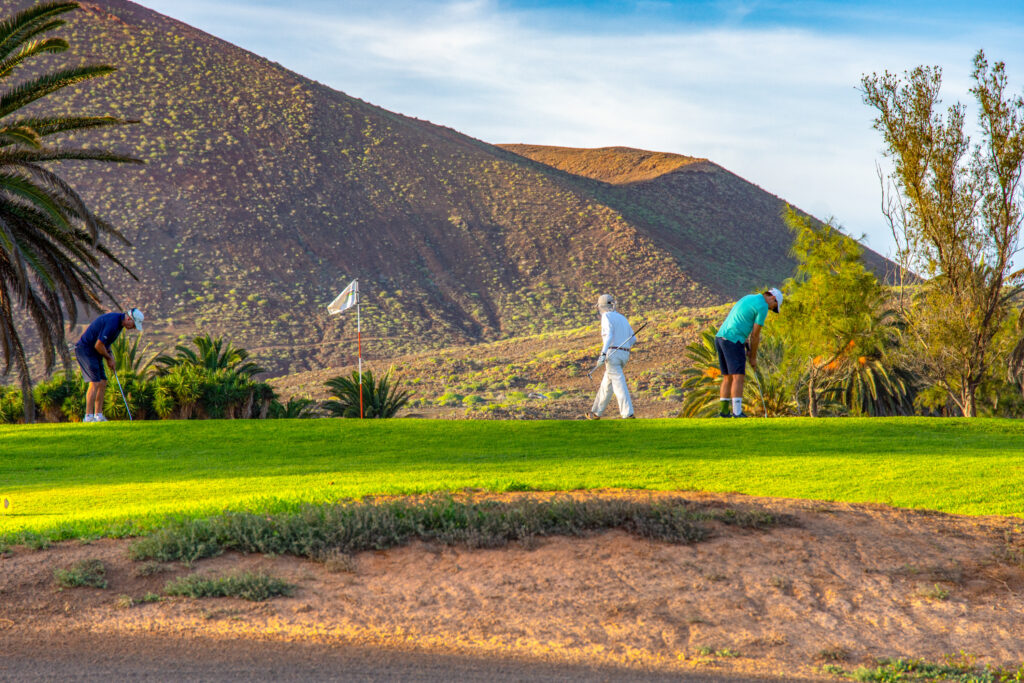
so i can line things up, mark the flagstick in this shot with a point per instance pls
(359, 337)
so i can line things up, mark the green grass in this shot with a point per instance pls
(74, 480)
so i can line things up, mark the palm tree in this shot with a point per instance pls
(50, 253)
(381, 398)
(702, 380)
(129, 358)
(212, 354)
(297, 407)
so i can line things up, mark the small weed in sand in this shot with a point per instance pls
(833, 654)
(936, 592)
(36, 541)
(85, 573)
(717, 652)
(955, 669)
(780, 582)
(126, 601)
(337, 562)
(1012, 551)
(255, 586)
(152, 568)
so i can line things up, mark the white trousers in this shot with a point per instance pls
(614, 382)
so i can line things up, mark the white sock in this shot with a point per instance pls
(737, 406)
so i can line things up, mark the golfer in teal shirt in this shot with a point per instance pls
(741, 331)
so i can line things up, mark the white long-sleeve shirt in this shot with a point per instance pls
(615, 331)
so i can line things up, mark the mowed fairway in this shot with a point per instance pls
(83, 479)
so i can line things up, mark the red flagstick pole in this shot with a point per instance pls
(359, 337)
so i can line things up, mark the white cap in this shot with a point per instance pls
(137, 316)
(606, 301)
(777, 293)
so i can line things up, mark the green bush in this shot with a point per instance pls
(191, 391)
(246, 585)
(85, 573)
(138, 393)
(11, 408)
(448, 399)
(59, 398)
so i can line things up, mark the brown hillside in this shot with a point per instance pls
(264, 193)
(614, 165)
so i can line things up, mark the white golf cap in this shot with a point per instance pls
(137, 316)
(605, 301)
(777, 293)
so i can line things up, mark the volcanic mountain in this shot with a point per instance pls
(264, 193)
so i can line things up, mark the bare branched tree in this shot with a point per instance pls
(955, 213)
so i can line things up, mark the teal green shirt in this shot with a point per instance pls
(745, 313)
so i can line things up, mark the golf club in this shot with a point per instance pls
(635, 332)
(130, 419)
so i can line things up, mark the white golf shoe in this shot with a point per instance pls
(89, 418)
(100, 418)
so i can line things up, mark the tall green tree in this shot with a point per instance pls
(50, 248)
(955, 213)
(835, 309)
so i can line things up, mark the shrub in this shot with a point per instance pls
(11, 408)
(84, 573)
(246, 585)
(315, 531)
(58, 398)
(449, 398)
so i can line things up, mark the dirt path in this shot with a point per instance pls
(843, 585)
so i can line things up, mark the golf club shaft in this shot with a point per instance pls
(129, 410)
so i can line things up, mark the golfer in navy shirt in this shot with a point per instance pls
(91, 350)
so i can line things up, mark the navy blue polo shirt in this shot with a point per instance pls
(104, 328)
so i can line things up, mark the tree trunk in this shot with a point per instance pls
(27, 400)
(812, 397)
(967, 401)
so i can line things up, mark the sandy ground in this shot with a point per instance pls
(838, 584)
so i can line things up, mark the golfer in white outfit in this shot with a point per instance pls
(617, 337)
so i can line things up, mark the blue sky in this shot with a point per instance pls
(766, 89)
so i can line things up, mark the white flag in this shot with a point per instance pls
(348, 298)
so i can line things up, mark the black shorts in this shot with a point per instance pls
(732, 357)
(91, 364)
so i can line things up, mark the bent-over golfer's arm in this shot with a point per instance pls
(753, 341)
(101, 349)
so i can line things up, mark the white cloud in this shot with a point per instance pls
(776, 106)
